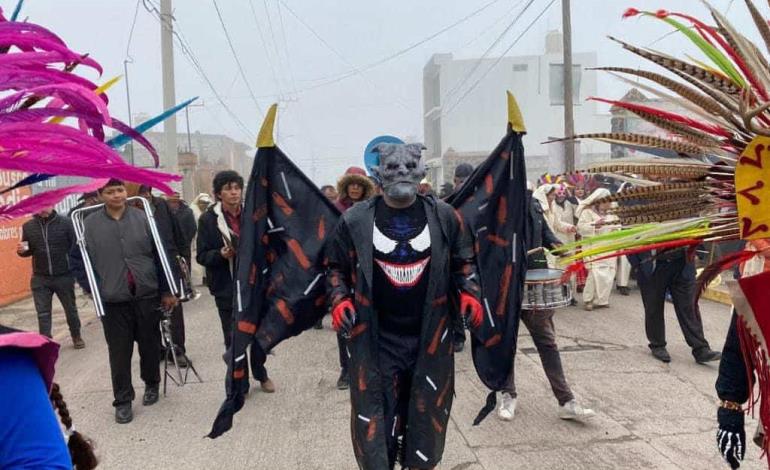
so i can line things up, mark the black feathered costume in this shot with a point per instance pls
(351, 270)
(285, 232)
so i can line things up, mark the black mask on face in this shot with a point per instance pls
(400, 170)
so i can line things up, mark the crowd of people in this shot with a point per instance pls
(136, 295)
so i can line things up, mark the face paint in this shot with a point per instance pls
(400, 170)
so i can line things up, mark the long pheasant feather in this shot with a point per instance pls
(705, 46)
(704, 102)
(716, 81)
(640, 140)
(744, 53)
(667, 115)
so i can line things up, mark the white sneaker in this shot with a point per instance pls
(507, 408)
(573, 410)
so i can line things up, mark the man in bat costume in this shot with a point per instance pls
(398, 266)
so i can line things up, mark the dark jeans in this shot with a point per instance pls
(540, 326)
(43, 289)
(343, 350)
(678, 277)
(125, 323)
(225, 310)
(458, 331)
(177, 327)
(397, 360)
(257, 357)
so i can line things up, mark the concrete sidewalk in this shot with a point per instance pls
(650, 415)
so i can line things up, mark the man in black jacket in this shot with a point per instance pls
(174, 242)
(398, 266)
(670, 271)
(218, 232)
(48, 239)
(541, 327)
(133, 290)
(188, 226)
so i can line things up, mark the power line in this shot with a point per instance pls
(499, 20)
(131, 30)
(336, 52)
(272, 33)
(264, 46)
(235, 56)
(476, 83)
(303, 122)
(335, 79)
(197, 67)
(486, 53)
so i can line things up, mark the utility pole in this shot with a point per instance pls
(168, 158)
(569, 123)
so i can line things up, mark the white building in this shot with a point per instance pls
(472, 129)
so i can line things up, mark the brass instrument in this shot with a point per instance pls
(78, 219)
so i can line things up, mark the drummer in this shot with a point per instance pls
(541, 327)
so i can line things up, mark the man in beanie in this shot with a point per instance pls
(462, 172)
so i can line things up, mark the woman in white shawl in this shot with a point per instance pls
(545, 195)
(199, 205)
(593, 219)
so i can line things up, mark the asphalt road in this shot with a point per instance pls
(650, 415)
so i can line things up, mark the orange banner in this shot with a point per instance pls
(14, 285)
(752, 189)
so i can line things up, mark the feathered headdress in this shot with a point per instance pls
(714, 187)
(547, 178)
(52, 121)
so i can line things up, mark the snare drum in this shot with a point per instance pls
(543, 290)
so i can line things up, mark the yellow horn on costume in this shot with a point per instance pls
(515, 119)
(265, 138)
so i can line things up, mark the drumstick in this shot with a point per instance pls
(535, 250)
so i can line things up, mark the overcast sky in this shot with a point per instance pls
(323, 120)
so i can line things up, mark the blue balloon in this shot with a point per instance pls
(372, 158)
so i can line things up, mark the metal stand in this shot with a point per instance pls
(171, 356)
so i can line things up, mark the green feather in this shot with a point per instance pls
(716, 56)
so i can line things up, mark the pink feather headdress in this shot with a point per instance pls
(38, 83)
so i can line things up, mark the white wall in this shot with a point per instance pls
(478, 122)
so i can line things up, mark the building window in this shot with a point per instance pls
(520, 67)
(556, 84)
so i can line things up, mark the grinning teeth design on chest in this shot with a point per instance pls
(402, 261)
(404, 275)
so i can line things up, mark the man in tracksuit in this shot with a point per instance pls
(48, 239)
(133, 290)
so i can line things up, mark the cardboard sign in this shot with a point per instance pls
(752, 189)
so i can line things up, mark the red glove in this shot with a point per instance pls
(344, 316)
(469, 304)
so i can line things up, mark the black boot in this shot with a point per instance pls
(151, 395)
(123, 413)
(343, 383)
